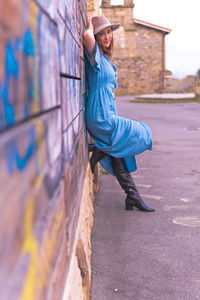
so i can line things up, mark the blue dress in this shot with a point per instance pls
(117, 136)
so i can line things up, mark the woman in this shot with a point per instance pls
(117, 139)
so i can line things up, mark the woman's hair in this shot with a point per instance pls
(108, 51)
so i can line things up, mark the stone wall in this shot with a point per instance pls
(92, 7)
(46, 185)
(79, 277)
(149, 43)
(176, 85)
(142, 73)
(77, 285)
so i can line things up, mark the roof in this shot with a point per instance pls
(147, 24)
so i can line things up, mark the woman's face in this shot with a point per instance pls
(105, 37)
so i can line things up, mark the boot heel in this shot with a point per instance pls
(128, 206)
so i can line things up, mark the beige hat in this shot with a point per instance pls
(101, 22)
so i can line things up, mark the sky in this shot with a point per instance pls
(183, 43)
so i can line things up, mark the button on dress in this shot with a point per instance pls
(115, 135)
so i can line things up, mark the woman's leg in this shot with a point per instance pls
(97, 155)
(126, 181)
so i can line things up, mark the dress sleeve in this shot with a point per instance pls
(97, 58)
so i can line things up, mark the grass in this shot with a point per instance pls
(104, 172)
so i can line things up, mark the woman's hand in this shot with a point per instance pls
(89, 23)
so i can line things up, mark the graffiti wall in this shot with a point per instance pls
(43, 144)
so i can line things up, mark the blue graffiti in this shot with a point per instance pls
(13, 157)
(12, 70)
(24, 45)
(28, 43)
(28, 51)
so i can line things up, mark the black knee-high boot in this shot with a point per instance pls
(126, 181)
(97, 155)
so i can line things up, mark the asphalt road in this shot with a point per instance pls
(152, 256)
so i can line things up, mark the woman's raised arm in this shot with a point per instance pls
(89, 40)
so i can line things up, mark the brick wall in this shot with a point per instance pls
(43, 148)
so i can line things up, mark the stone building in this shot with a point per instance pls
(139, 50)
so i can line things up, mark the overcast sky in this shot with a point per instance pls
(183, 43)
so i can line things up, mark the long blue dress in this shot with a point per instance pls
(117, 136)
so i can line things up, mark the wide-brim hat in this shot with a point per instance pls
(101, 22)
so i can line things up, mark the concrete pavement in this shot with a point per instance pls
(172, 96)
(152, 256)
(164, 97)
